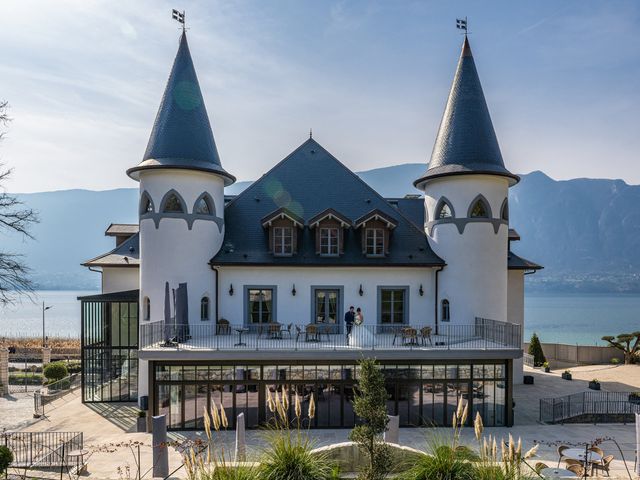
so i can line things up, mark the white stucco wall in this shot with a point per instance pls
(120, 279)
(298, 309)
(515, 313)
(475, 279)
(173, 253)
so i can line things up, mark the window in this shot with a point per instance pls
(504, 214)
(147, 308)
(172, 204)
(480, 209)
(282, 241)
(146, 205)
(443, 211)
(445, 311)
(328, 241)
(260, 305)
(203, 206)
(204, 308)
(375, 242)
(392, 306)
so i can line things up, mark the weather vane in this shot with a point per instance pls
(179, 17)
(461, 24)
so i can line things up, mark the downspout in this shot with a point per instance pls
(435, 306)
(217, 289)
(101, 277)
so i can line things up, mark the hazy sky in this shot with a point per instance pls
(84, 80)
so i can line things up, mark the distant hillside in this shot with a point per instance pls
(585, 232)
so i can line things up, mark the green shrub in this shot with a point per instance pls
(6, 457)
(443, 463)
(289, 457)
(25, 378)
(615, 360)
(55, 371)
(535, 349)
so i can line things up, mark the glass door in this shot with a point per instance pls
(326, 306)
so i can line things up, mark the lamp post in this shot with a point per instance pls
(44, 309)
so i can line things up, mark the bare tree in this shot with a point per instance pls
(15, 218)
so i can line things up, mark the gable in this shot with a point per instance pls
(307, 182)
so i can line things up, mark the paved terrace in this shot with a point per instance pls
(484, 335)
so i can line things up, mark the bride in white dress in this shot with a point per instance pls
(360, 336)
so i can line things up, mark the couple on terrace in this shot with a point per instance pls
(357, 334)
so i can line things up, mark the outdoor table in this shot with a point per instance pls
(240, 332)
(579, 454)
(557, 473)
(78, 456)
(275, 330)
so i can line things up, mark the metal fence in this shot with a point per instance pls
(41, 449)
(483, 334)
(603, 406)
(528, 360)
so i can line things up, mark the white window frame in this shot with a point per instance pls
(330, 248)
(377, 233)
(279, 241)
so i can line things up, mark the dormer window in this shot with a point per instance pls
(282, 240)
(504, 214)
(172, 203)
(376, 227)
(204, 205)
(444, 210)
(480, 208)
(329, 228)
(375, 242)
(146, 204)
(282, 226)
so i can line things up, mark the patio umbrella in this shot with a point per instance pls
(182, 312)
(638, 443)
(168, 323)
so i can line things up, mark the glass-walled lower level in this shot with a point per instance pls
(420, 394)
(109, 347)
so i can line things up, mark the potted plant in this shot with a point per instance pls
(566, 375)
(546, 367)
(634, 397)
(142, 421)
(594, 384)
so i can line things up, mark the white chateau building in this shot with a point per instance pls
(215, 298)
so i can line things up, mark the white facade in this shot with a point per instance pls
(120, 279)
(172, 252)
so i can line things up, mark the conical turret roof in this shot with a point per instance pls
(181, 137)
(466, 142)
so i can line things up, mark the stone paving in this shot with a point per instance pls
(109, 428)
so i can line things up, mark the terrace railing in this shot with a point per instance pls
(483, 334)
(599, 406)
(41, 449)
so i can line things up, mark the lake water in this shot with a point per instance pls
(581, 319)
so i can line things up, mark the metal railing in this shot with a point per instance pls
(483, 334)
(604, 406)
(528, 360)
(41, 449)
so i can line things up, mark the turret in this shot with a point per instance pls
(181, 203)
(466, 203)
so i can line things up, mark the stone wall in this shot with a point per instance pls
(562, 355)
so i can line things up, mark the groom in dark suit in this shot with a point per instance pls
(349, 318)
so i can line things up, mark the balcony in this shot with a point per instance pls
(483, 335)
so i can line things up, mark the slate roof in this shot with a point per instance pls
(121, 229)
(307, 182)
(466, 142)
(127, 254)
(181, 136)
(515, 262)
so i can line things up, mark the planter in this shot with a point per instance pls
(634, 398)
(594, 385)
(566, 376)
(141, 425)
(547, 369)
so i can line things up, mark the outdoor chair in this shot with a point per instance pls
(539, 466)
(286, 330)
(311, 333)
(561, 449)
(223, 327)
(325, 330)
(425, 334)
(409, 336)
(577, 469)
(275, 330)
(602, 467)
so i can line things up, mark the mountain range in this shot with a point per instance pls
(586, 232)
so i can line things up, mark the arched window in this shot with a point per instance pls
(204, 205)
(480, 208)
(172, 203)
(146, 204)
(147, 308)
(444, 210)
(504, 213)
(446, 314)
(204, 308)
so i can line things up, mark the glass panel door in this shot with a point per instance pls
(327, 303)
